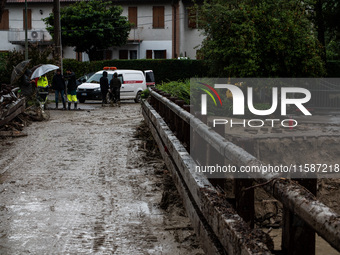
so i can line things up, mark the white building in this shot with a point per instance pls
(162, 29)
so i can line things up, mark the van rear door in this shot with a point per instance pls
(132, 81)
(150, 78)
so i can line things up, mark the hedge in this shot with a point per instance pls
(164, 70)
(333, 68)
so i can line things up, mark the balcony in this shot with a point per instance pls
(17, 36)
(135, 35)
(41, 36)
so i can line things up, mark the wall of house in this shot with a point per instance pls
(144, 14)
(5, 45)
(149, 38)
(16, 32)
(143, 38)
(189, 37)
(5, 35)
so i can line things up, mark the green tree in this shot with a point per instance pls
(331, 14)
(91, 26)
(247, 38)
(325, 16)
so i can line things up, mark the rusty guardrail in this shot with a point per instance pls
(295, 198)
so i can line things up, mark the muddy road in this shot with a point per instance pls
(78, 184)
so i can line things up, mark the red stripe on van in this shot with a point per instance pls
(150, 84)
(127, 82)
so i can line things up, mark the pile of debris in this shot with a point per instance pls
(14, 115)
(7, 96)
(11, 106)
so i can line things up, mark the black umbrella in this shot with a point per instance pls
(19, 70)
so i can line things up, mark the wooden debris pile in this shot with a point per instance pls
(8, 94)
(14, 115)
(11, 106)
(12, 112)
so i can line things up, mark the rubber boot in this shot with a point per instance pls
(119, 103)
(75, 106)
(64, 106)
(69, 106)
(56, 105)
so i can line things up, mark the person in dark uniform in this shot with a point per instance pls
(71, 88)
(115, 85)
(104, 87)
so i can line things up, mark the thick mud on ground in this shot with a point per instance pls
(79, 184)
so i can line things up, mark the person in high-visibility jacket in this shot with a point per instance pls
(71, 88)
(42, 82)
(42, 86)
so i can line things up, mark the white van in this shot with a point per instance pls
(133, 83)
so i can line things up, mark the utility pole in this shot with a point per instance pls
(26, 27)
(57, 32)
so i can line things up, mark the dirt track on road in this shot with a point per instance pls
(77, 184)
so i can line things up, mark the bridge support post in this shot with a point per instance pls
(179, 122)
(172, 119)
(213, 158)
(297, 237)
(187, 131)
(244, 198)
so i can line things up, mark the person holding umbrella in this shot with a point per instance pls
(27, 85)
(71, 88)
(42, 82)
(58, 84)
(42, 86)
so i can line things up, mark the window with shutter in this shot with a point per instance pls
(29, 19)
(123, 54)
(160, 54)
(4, 24)
(132, 14)
(192, 18)
(158, 17)
(108, 54)
(79, 56)
(149, 54)
(133, 54)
